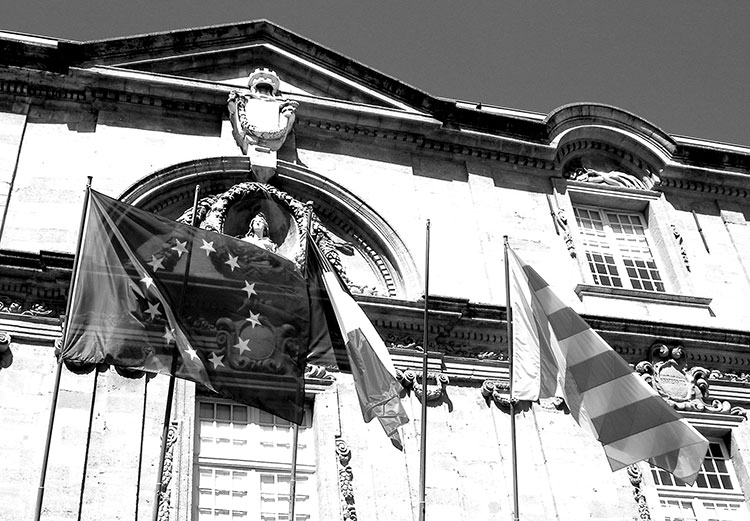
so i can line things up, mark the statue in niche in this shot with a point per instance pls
(603, 170)
(261, 121)
(257, 233)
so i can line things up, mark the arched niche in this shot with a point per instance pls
(593, 148)
(601, 139)
(376, 260)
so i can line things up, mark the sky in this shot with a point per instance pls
(682, 65)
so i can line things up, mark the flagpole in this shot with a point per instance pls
(58, 373)
(425, 327)
(140, 448)
(170, 387)
(295, 427)
(88, 444)
(509, 320)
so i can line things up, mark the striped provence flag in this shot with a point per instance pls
(555, 353)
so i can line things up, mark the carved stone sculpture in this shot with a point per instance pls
(601, 170)
(257, 233)
(261, 120)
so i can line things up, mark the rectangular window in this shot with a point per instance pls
(617, 250)
(715, 495)
(243, 465)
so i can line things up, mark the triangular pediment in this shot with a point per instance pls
(227, 55)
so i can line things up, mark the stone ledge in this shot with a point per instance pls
(642, 296)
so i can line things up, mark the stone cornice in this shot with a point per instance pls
(693, 166)
(38, 284)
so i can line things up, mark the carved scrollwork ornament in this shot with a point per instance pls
(411, 380)
(261, 120)
(682, 388)
(730, 376)
(636, 480)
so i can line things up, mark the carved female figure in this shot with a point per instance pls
(257, 233)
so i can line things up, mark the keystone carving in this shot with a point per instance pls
(261, 121)
(346, 488)
(411, 380)
(682, 388)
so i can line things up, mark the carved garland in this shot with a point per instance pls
(636, 479)
(167, 473)
(17, 307)
(679, 240)
(346, 476)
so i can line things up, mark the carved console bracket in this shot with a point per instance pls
(411, 380)
(636, 479)
(498, 392)
(346, 489)
(685, 389)
(318, 372)
(6, 355)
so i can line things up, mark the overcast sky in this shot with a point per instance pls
(683, 65)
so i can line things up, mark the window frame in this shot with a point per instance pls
(254, 467)
(698, 497)
(655, 210)
(613, 245)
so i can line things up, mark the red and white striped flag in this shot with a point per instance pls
(555, 353)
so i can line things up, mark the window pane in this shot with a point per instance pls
(678, 510)
(222, 494)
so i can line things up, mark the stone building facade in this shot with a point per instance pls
(646, 234)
